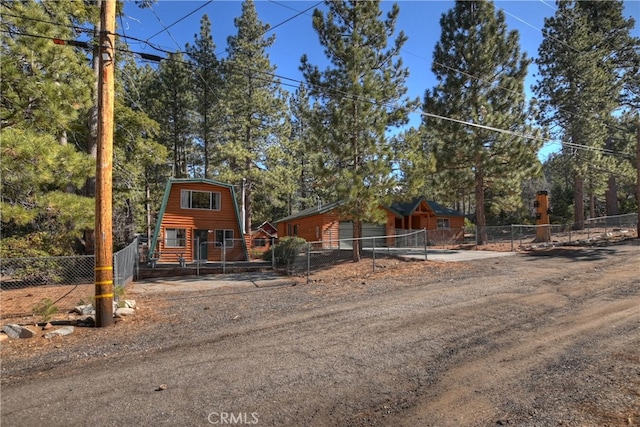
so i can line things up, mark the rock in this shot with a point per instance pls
(65, 330)
(3, 337)
(124, 311)
(16, 331)
(47, 326)
(84, 309)
(161, 387)
(129, 303)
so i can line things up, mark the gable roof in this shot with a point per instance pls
(314, 210)
(167, 192)
(267, 228)
(407, 208)
(440, 210)
(399, 209)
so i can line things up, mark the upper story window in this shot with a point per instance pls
(192, 199)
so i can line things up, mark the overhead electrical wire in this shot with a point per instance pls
(155, 58)
(179, 20)
(343, 94)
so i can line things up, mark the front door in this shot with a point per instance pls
(200, 250)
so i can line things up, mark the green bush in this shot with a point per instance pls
(285, 251)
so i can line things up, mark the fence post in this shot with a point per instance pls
(115, 270)
(374, 254)
(512, 226)
(197, 257)
(425, 243)
(224, 254)
(308, 261)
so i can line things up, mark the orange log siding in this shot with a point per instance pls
(200, 219)
(314, 228)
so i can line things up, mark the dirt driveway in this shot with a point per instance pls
(547, 338)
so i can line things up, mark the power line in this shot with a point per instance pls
(272, 75)
(179, 20)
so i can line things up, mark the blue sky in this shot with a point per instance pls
(420, 21)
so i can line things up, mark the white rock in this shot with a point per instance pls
(65, 330)
(84, 309)
(125, 311)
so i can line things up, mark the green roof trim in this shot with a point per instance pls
(165, 199)
(399, 209)
(407, 208)
(314, 210)
(440, 210)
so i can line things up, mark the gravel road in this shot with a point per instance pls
(545, 338)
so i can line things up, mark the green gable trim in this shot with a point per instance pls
(165, 199)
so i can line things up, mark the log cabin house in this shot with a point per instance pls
(198, 220)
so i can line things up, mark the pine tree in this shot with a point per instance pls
(173, 109)
(44, 86)
(254, 108)
(582, 63)
(360, 98)
(207, 83)
(136, 152)
(481, 75)
(44, 96)
(307, 191)
(36, 206)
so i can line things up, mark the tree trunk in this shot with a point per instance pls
(357, 242)
(612, 196)
(638, 171)
(578, 203)
(92, 139)
(480, 214)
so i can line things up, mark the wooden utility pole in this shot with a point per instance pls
(104, 168)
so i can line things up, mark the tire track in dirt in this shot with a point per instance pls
(471, 389)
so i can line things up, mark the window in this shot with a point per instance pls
(443, 223)
(295, 229)
(175, 237)
(224, 236)
(259, 242)
(191, 199)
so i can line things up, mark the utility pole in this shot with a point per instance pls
(104, 168)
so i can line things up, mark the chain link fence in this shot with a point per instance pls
(512, 237)
(64, 280)
(305, 257)
(311, 256)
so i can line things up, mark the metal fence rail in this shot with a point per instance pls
(125, 264)
(26, 272)
(18, 273)
(511, 237)
(320, 254)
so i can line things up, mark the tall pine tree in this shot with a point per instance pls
(255, 111)
(481, 75)
(207, 85)
(173, 110)
(360, 98)
(583, 63)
